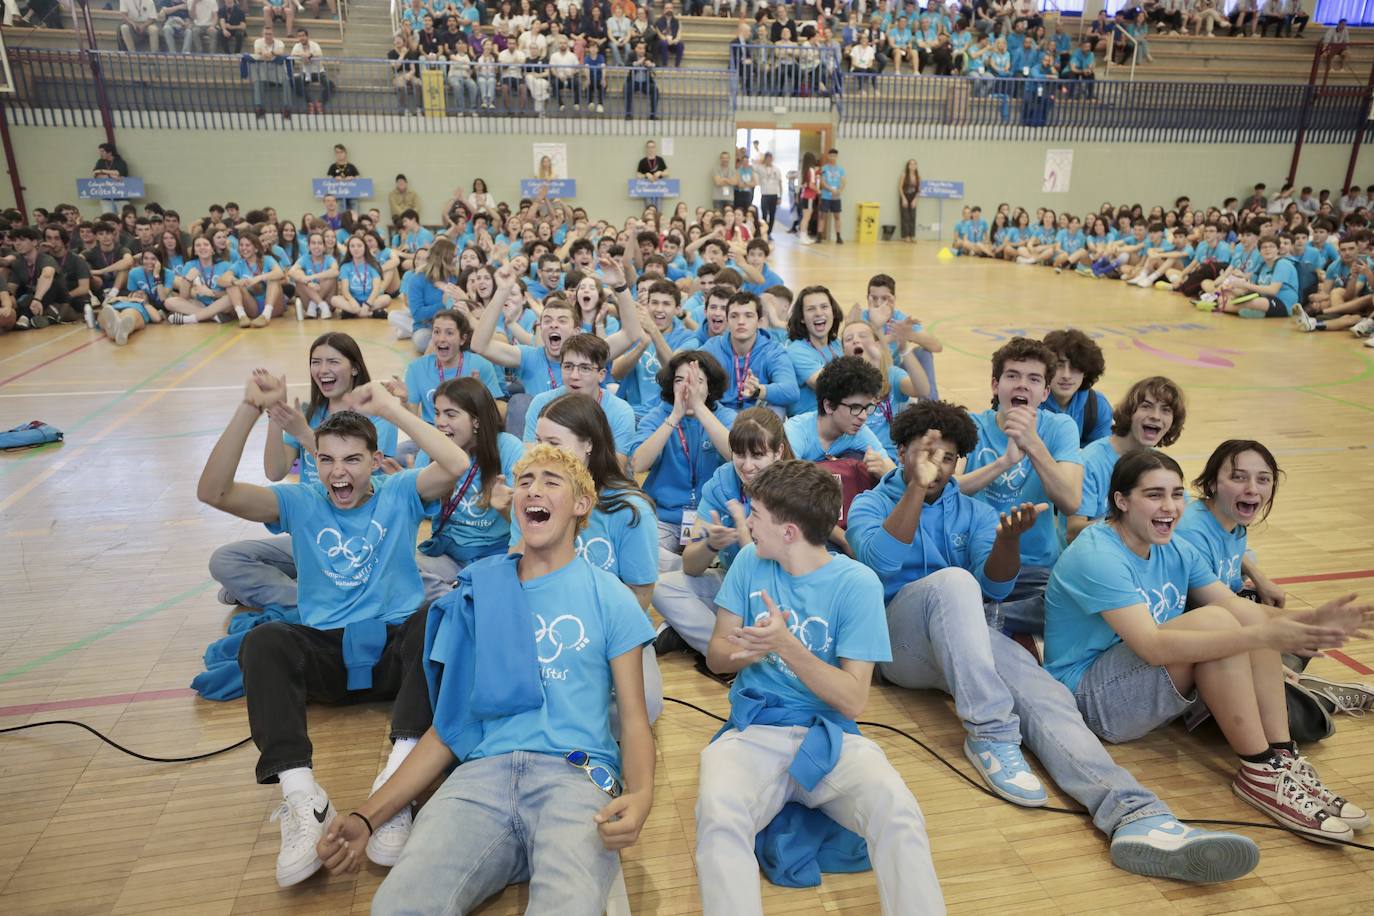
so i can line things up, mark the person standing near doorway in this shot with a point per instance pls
(832, 186)
(770, 187)
(908, 190)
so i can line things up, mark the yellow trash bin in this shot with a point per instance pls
(868, 223)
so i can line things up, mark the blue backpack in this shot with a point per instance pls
(29, 435)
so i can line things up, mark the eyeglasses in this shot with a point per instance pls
(860, 410)
(581, 368)
(600, 776)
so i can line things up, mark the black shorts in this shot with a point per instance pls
(829, 206)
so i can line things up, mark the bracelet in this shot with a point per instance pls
(362, 817)
(621, 289)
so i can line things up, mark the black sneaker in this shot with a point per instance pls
(668, 640)
(725, 679)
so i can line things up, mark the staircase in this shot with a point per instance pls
(707, 40)
(369, 29)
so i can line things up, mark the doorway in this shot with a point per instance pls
(785, 145)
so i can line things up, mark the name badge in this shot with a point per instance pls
(689, 521)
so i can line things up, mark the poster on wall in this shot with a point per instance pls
(1058, 169)
(558, 158)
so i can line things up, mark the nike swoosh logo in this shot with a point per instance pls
(320, 815)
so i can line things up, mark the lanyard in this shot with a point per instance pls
(548, 367)
(691, 467)
(826, 353)
(885, 405)
(457, 373)
(741, 376)
(452, 502)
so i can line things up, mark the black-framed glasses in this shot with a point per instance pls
(860, 410)
(600, 776)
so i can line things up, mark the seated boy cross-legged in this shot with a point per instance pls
(940, 555)
(353, 537)
(803, 629)
(521, 659)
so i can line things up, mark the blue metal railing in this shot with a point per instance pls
(55, 88)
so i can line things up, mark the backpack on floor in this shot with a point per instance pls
(31, 434)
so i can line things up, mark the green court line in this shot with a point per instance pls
(104, 408)
(87, 640)
(1330, 397)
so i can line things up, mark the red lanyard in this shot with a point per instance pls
(548, 366)
(827, 354)
(457, 373)
(885, 405)
(741, 376)
(452, 502)
(687, 454)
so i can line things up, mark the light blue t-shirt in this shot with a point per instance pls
(723, 486)
(640, 388)
(807, 361)
(675, 482)
(830, 175)
(414, 241)
(1021, 483)
(584, 618)
(1077, 410)
(425, 375)
(387, 436)
(805, 439)
(1099, 460)
(891, 404)
(309, 265)
(359, 280)
(359, 563)
(1098, 573)
(836, 611)
(615, 542)
(1286, 275)
(537, 372)
(474, 530)
(1219, 548)
(619, 414)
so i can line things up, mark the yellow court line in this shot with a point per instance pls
(68, 457)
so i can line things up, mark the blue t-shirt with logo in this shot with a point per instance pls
(1098, 573)
(474, 530)
(1284, 273)
(836, 611)
(616, 542)
(359, 279)
(1020, 483)
(583, 618)
(359, 563)
(425, 375)
(723, 486)
(1099, 460)
(675, 482)
(830, 175)
(1221, 549)
(807, 361)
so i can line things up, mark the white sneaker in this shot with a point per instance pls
(806, 240)
(312, 311)
(304, 817)
(1363, 328)
(1304, 321)
(600, 109)
(1025, 260)
(384, 848)
(325, 311)
(89, 312)
(300, 309)
(123, 327)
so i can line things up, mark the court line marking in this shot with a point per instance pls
(47, 362)
(115, 627)
(38, 346)
(68, 457)
(112, 699)
(1354, 665)
(68, 394)
(1327, 577)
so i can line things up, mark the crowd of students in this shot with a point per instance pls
(1305, 257)
(604, 420)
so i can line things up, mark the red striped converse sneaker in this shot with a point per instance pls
(1336, 806)
(1279, 794)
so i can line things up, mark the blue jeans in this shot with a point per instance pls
(1045, 710)
(1023, 611)
(1123, 697)
(497, 821)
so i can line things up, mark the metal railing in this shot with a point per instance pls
(993, 108)
(1112, 39)
(55, 88)
(791, 71)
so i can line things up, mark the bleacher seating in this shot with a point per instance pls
(328, 32)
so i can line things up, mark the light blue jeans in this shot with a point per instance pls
(257, 572)
(1050, 723)
(497, 821)
(688, 604)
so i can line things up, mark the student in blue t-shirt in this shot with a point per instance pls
(846, 394)
(1275, 280)
(563, 641)
(1117, 636)
(1150, 415)
(142, 300)
(942, 556)
(758, 276)
(832, 187)
(686, 597)
(757, 369)
(1071, 246)
(975, 239)
(680, 443)
(200, 286)
(813, 330)
(413, 235)
(451, 359)
(360, 635)
(664, 334)
(584, 371)
(360, 292)
(1025, 454)
(315, 275)
(474, 521)
(1209, 258)
(256, 288)
(260, 572)
(1081, 364)
(802, 629)
(901, 383)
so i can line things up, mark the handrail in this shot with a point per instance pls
(1111, 44)
(395, 16)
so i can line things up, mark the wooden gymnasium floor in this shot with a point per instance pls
(107, 607)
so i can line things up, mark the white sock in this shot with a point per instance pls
(297, 779)
(239, 311)
(189, 319)
(267, 312)
(400, 750)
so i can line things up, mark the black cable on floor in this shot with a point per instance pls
(119, 747)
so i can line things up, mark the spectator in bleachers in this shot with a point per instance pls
(1242, 18)
(202, 25)
(619, 31)
(233, 27)
(139, 22)
(640, 79)
(1296, 17)
(863, 61)
(285, 10)
(1028, 12)
(461, 79)
(669, 32)
(405, 74)
(1335, 46)
(567, 74)
(268, 69)
(310, 79)
(1206, 17)
(175, 23)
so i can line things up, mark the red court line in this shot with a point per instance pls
(1357, 667)
(1327, 577)
(142, 696)
(47, 362)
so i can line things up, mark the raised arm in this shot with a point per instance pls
(620, 276)
(217, 486)
(447, 461)
(483, 336)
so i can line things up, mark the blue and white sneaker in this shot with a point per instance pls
(1006, 772)
(1161, 847)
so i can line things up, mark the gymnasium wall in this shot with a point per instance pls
(190, 169)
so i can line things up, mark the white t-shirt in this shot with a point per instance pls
(564, 64)
(512, 61)
(138, 10)
(315, 65)
(260, 48)
(862, 56)
(770, 179)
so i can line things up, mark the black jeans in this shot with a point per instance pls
(285, 666)
(908, 219)
(770, 210)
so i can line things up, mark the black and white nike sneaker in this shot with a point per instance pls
(304, 817)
